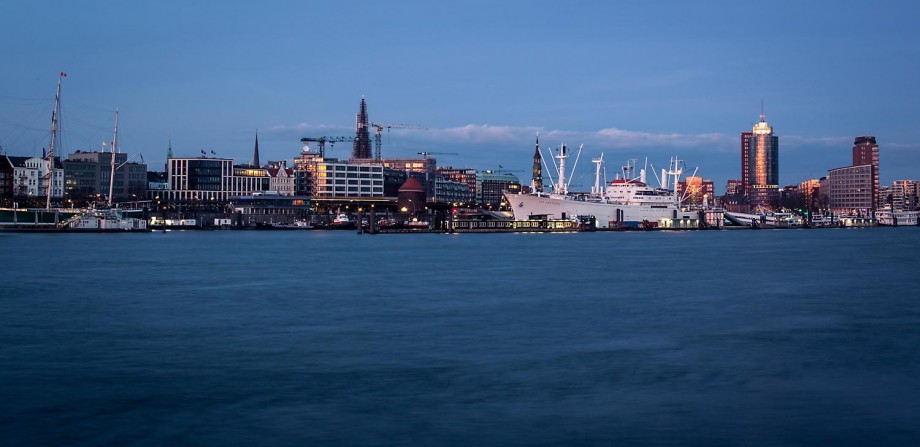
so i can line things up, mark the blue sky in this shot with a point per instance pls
(629, 79)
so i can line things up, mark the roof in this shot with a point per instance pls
(20, 162)
(411, 185)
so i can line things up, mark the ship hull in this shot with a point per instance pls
(529, 206)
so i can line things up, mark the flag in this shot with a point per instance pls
(203, 153)
(63, 75)
(213, 153)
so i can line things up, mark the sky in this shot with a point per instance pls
(631, 80)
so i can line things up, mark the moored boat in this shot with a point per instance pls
(624, 202)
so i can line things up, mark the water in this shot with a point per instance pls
(796, 337)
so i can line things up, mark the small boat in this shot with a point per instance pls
(897, 218)
(342, 222)
(104, 220)
(418, 224)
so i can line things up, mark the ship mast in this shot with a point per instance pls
(598, 162)
(112, 172)
(54, 120)
(675, 171)
(560, 185)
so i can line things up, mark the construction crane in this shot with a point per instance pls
(426, 154)
(501, 170)
(321, 142)
(379, 129)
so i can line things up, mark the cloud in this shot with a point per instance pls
(502, 138)
(631, 138)
(799, 140)
(600, 139)
(298, 131)
(478, 133)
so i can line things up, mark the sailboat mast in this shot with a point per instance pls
(54, 114)
(112, 173)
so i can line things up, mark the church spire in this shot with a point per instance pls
(362, 146)
(255, 154)
(537, 178)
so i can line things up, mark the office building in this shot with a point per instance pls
(695, 191)
(490, 185)
(745, 161)
(865, 152)
(809, 191)
(204, 179)
(465, 176)
(849, 190)
(762, 187)
(87, 175)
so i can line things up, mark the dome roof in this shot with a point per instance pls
(411, 185)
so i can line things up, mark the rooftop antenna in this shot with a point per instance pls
(762, 118)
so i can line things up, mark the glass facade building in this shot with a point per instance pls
(763, 165)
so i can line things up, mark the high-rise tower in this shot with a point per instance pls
(537, 178)
(763, 165)
(865, 152)
(362, 146)
(745, 161)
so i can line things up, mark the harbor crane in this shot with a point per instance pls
(426, 154)
(379, 129)
(321, 142)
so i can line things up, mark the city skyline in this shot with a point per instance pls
(631, 81)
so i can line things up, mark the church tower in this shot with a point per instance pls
(537, 178)
(362, 146)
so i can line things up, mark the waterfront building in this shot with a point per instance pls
(411, 197)
(334, 179)
(809, 191)
(865, 152)
(303, 172)
(156, 181)
(210, 179)
(745, 161)
(281, 180)
(762, 187)
(6, 177)
(450, 191)
(269, 207)
(695, 191)
(734, 187)
(392, 180)
(87, 174)
(849, 190)
(490, 186)
(465, 176)
(423, 169)
(901, 196)
(30, 177)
